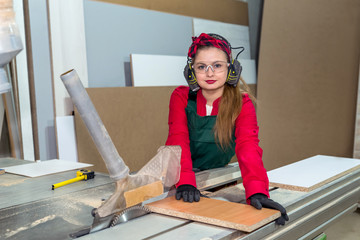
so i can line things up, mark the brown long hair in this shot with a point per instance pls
(229, 109)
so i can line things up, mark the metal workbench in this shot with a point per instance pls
(29, 209)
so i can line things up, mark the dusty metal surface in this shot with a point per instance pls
(52, 218)
(31, 210)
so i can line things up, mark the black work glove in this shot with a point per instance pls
(260, 200)
(188, 193)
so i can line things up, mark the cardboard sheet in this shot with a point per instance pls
(312, 172)
(231, 11)
(220, 213)
(38, 169)
(307, 86)
(134, 117)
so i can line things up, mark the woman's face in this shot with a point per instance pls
(211, 68)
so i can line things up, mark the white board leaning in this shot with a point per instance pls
(157, 70)
(163, 70)
(311, 173)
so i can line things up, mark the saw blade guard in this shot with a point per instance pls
(164, 166)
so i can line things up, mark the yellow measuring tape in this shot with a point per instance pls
(80, 175)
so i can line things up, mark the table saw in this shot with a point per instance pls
(29, 209)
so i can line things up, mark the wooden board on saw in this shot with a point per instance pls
(216, 212)
(311, 173)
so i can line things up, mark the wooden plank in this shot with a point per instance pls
(312, 172)
(143, 193)
(216, 212)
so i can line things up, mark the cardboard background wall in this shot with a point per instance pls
(136, 119)
(230, 11)
(307, 79)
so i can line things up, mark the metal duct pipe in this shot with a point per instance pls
(114, 163)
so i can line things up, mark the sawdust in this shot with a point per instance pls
(37, 222)
(90, 202)
(13, 182)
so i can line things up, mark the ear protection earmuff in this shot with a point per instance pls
(234, 73)
(190, 77)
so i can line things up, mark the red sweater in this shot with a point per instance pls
(247, 149)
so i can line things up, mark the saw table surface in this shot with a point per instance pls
(29, 209)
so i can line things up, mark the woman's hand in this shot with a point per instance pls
(188, 193)
(260, 200)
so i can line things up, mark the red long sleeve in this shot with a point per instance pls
(247, 150)
(179, 133)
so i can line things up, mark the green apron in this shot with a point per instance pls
(206, 152)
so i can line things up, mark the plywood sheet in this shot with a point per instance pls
(311, 173)
(44, 168)
(136, 119)
(237, 35)
(306, 94)
(157, 70)
(221, 213)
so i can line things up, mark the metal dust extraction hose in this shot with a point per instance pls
(114, 163)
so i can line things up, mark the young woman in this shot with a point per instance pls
(213, 119)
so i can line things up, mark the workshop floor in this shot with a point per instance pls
(347, 228)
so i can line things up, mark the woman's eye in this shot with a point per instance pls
(217, 65)
(201, 67)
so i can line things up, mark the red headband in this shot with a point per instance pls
(206, 40)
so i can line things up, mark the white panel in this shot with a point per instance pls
(157, 70)
(23, 83)
(237, 35)
(44, 168)
(162, 70)
(68, 47)
(66, 140)
(2, 114)
(248, 70)
(310, 172)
